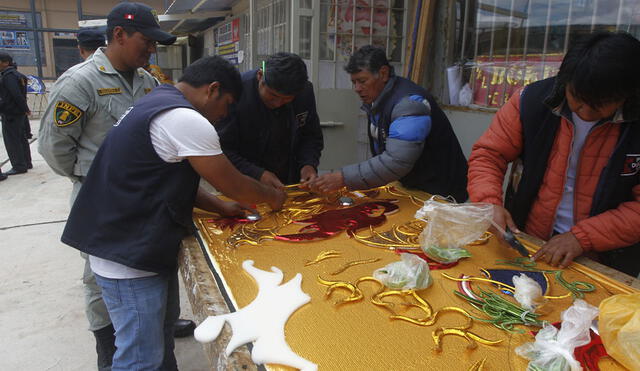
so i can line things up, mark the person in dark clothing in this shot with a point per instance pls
(89, 41)
(15, 112)
(274, 135)
(410, 137)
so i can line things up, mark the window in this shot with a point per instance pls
(65, 53)
(346, 25)
(271, 17)
(245, 60)
(305, 36)
(502, 45)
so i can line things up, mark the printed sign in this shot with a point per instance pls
(228, 41)
(14, 40)
(8, 19)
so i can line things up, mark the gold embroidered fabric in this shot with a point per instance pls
(356, 335)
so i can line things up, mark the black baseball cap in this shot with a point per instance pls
(142, 18)
(90, 39)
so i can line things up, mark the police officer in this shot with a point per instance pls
(89, 41)
(274, 133)
(85, 103)
(15, 112)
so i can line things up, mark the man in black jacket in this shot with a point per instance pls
(274, 135)
(14, 110)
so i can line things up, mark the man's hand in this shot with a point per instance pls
(307, 174)
(327, 183)
(502, 217)
(278, 199)
(560, 249)
(271, 179)
(232, 208)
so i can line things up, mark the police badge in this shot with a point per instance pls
(66, 114)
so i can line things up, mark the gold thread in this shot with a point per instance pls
(355, 295)
(478, 366)
(471, 338)
(324, 255)
(350, 264)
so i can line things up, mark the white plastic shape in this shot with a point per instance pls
(263, 320)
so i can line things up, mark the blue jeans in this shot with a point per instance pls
(143, 312)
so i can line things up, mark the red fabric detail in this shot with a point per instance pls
(432, 263)
(329, 223)
(589, 354)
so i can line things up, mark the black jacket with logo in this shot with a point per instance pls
(245, 134)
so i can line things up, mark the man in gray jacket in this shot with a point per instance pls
(84, 104)
(410, 137)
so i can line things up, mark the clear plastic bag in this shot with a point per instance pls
(452, 226)
(619, 325)
(410, 273)
(553, 348)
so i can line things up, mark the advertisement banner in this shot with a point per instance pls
(228, 41)
(14, 40)
(9, 19)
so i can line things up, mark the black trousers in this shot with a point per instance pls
(15, 141)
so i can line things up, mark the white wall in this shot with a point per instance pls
(468, 126)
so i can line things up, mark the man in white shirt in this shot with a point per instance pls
(135, 205)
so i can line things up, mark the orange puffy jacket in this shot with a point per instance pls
(502, 144)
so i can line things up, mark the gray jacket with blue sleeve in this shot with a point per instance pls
(412, 141)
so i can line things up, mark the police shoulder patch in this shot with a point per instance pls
(66, 114)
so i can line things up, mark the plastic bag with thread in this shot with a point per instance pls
(553, 348)
(452, 226)
(410, 273)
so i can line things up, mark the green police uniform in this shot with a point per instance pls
(84, 104)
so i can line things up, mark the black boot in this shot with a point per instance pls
(183, 328)
(105, 347)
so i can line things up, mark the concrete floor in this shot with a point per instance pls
(41, 297)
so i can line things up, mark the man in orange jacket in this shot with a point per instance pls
(574, 141)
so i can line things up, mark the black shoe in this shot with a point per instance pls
(30, 166)
(105, 347)
(15, 172)
(3, 177)
(183, 328)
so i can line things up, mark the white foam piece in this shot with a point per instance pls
(263, 320)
